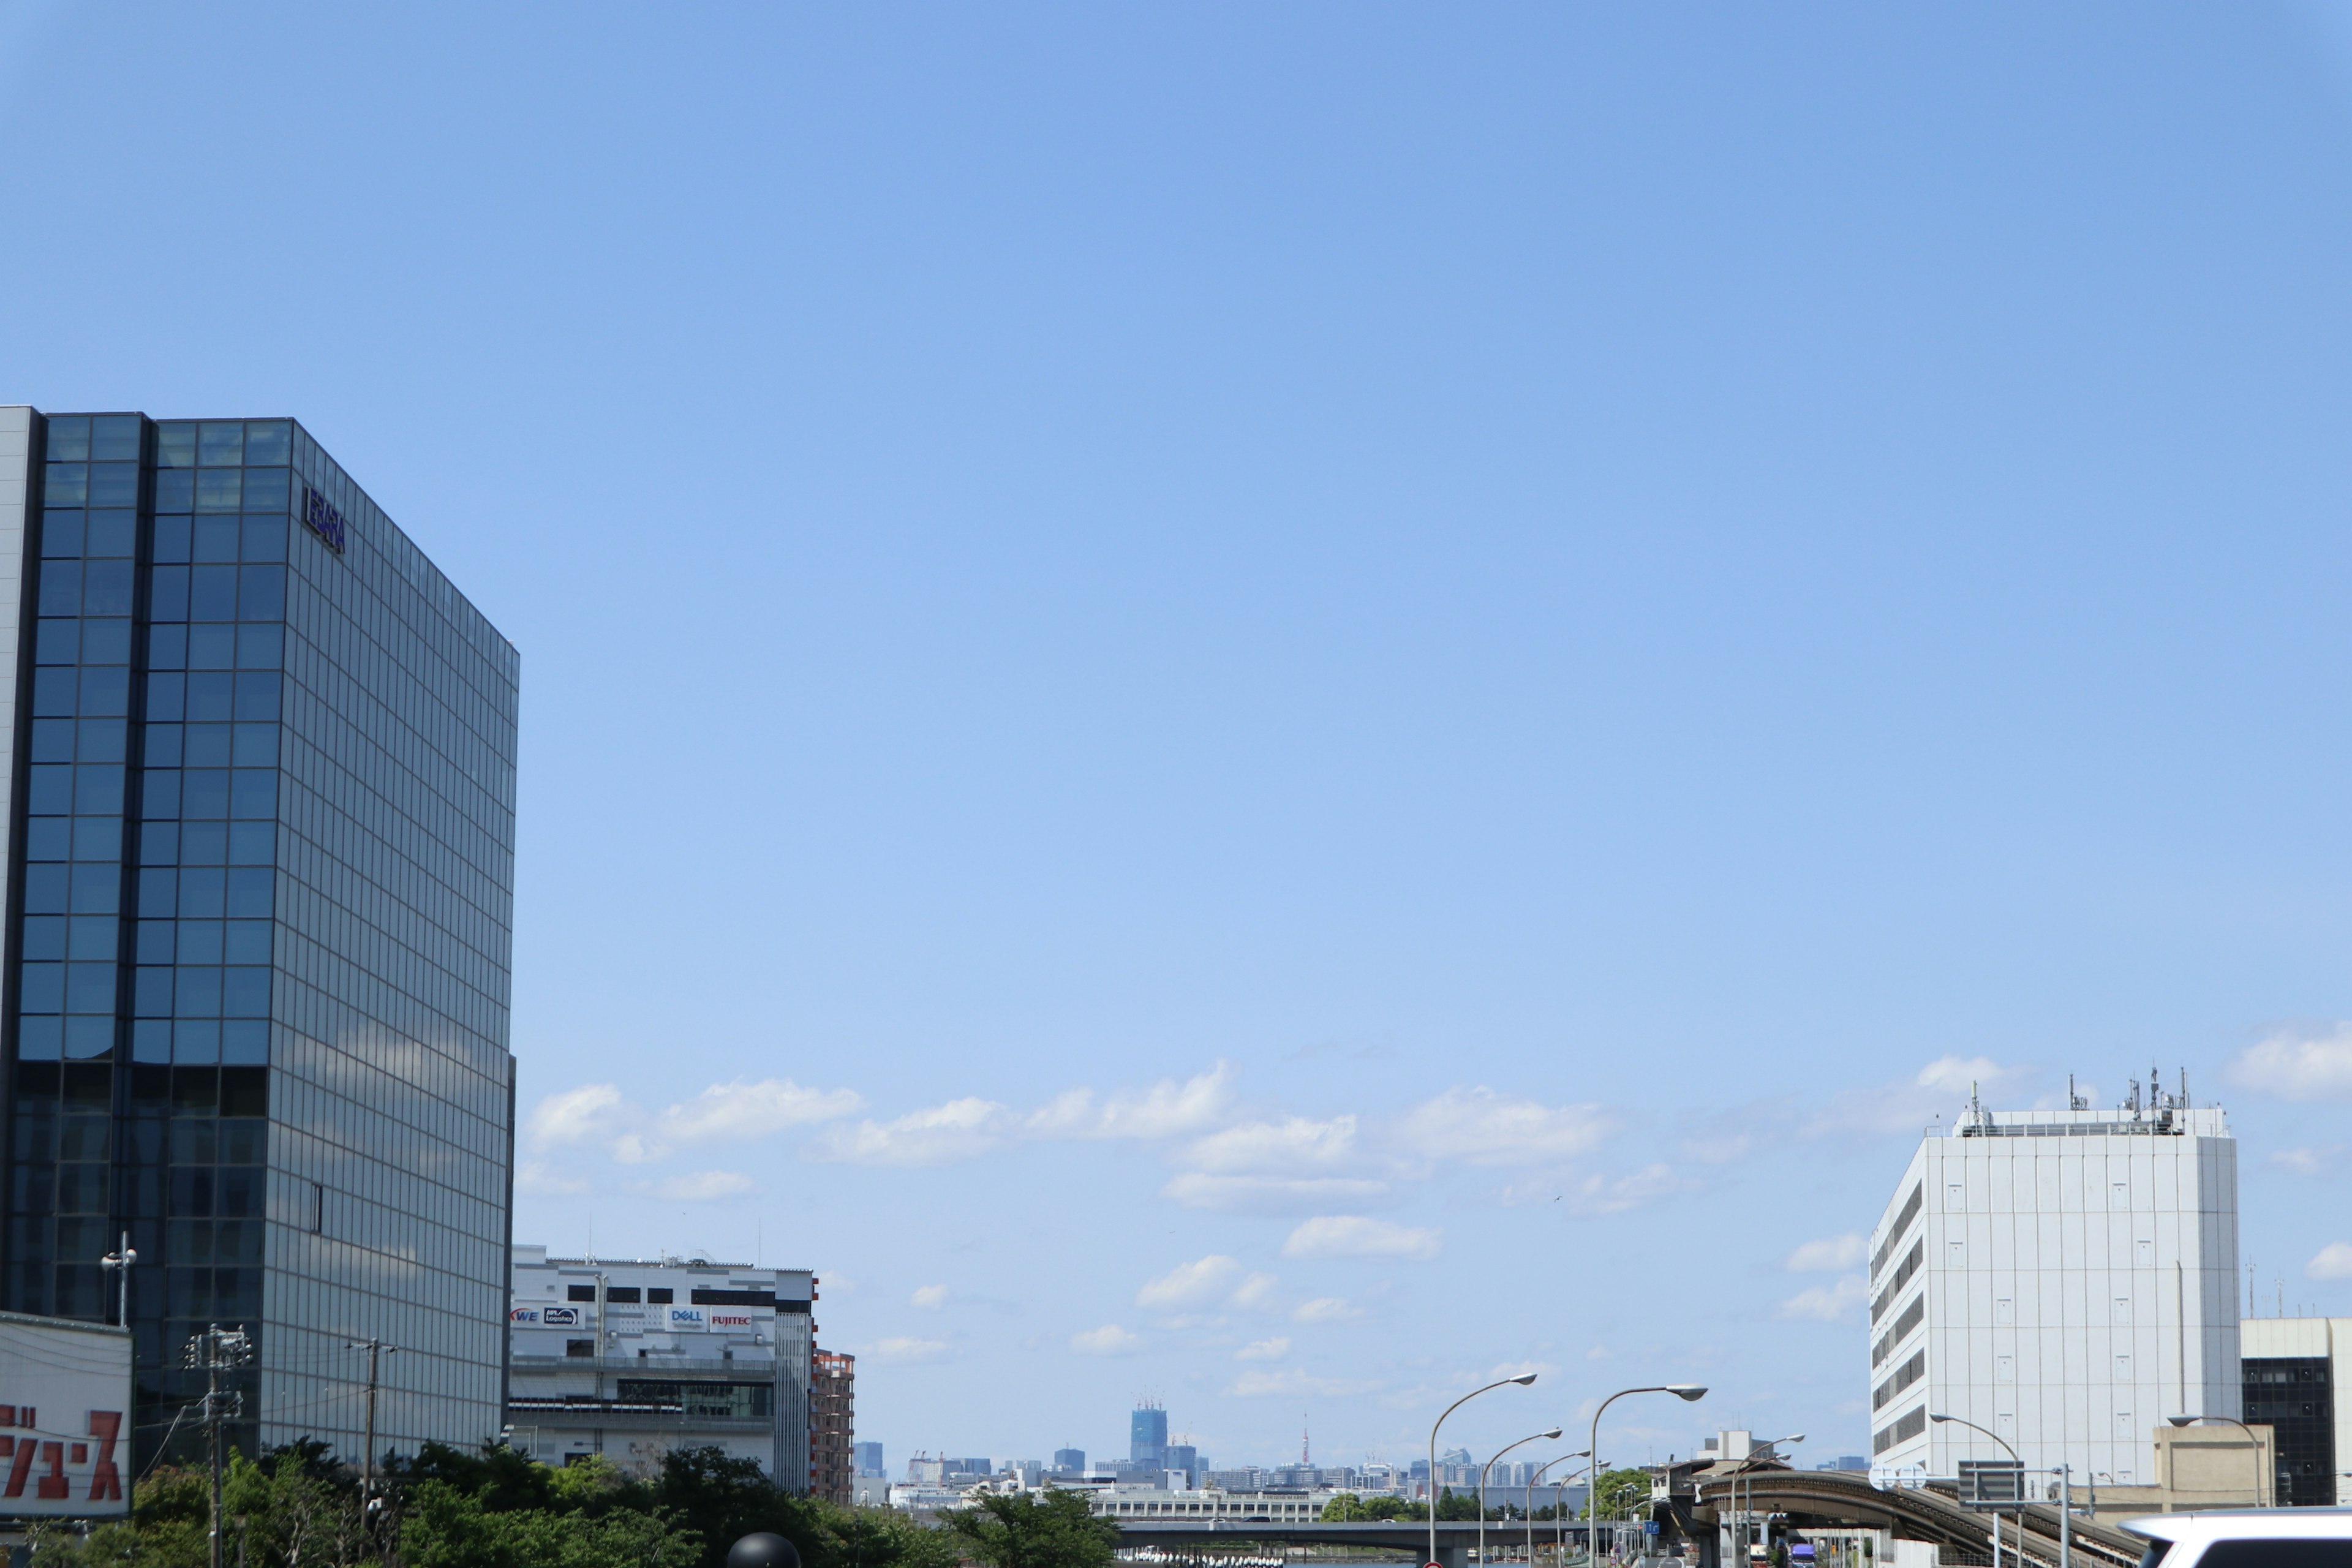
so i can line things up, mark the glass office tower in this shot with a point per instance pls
(259, 780)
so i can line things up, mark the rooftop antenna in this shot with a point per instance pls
(1306, 1450)
(2184, 1089)
(2074, 1101)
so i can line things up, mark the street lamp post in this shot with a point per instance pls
(2251, 1437)
(1941, 1419)
(1530, 1510)
(1592, 1489)
(1745, 1474)
(1522, 1379)
(1489, 1466)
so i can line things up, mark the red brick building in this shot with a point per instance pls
(832, 1380)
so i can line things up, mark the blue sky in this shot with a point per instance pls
(1276, 705)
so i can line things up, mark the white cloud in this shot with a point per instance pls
(1600, 1353)
(1720, 1151)
(1326, 1309)
(1189, 1284)
(2333, 1261)
(593, 1113)
(1166, 1109)
(747, 1110)
(930, 1297)
(2309, 1161)
(1271, 1195)
(1291, 1380)
(1827, 1303)
(1907, 1105)
(1295, 1146)
(1599, 1194)
(1258, 1290)
(1828, 1256)
(1479, 1127)
(1273, 1349)
(704, 1186)
(1109, 1340)
(1356, 1236)
(2298, 1066)
(537, 1177)
(937, 1135)
(905, 1348)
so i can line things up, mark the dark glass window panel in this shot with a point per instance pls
(98, 837)
(265, 490)
(252, 843)
(212, 593)
(237, 1243)
(195, 1091)
(201, 890)
(167, 594)
(209, 697)
(167, 647)
(210, 647)
(196, 1040)
(105, 689)
(94, 937)
(195, 1140)
(261, 596)
(247, 942)
(204, 843)
(163, 746)
(49, 789)
(54, 689)
(221, 442)
(105, 642)
(150, 993)
(269, 441)
(250, 892)
(81, 1189)
(188, 1292)
(215, 538)
(257, 696)
(245, 992)
(192, 1242)
(197, 993)
(97, 889)
(167, 695)
(238, 1193)
(36, 1085)
(204, 792)
(236, 1292)
(253, 793)
(41, 988)
(62, 533)
(114, 438)
(105, 588)
(82, 1240)
(200, 941)
(112, 533)
(154, 941)
(102, 739)
(159, 794)
(53, 740)
(81, 1291)
(60, 643)
(114, 484)
(90, 988)
(98, 789)
(256, 745)
(208, 745)
(70, 438)
(172, 540)
(150, 1037)
(88, 1089)
(175, 444)
(245, 1042)
(265, 537)
(44, 889)
(40, 1039)
(84, 1137)
(151, 1091)
(219, 490)
(159, 894)
(61, 587)
(66, 484)
(49, 838)
(260, 647)
(45, 936)
(176, 490)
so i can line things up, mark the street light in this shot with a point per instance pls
(1489, 1465)
(1522, 1379)
(1744, 1473)
(2257, 1442)
(1559, 1540)
(1592, 1486)
(1939, 1419)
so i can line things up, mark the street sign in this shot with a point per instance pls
(1991, 1484)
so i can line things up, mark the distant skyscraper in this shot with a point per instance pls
(2064, 1278)
(1069, 1461)
(869, 1459)
(1147, 1437)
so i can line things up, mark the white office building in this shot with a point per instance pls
(630, 1359)
(2062, 1278)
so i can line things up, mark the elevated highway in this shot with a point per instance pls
(1846, 1497)
(1457, 1541)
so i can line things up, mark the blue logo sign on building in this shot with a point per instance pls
(322, 519)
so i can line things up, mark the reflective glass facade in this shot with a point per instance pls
(261, 813)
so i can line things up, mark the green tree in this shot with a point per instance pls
(1450, 1507)
(1620, 1491)
(1055, 1529)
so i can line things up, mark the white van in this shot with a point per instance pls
(2248, 1538)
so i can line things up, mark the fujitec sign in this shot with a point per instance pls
(319, 516)
(65, 1418)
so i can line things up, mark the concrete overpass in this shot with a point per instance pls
(1457, 1540)
(1846, 1497)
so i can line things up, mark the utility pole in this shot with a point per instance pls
(376, 1349)
(214, 1352)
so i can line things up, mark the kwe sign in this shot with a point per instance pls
(65, 1418)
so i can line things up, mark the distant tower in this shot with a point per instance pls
(1146, 1436)
(1305, 1448)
